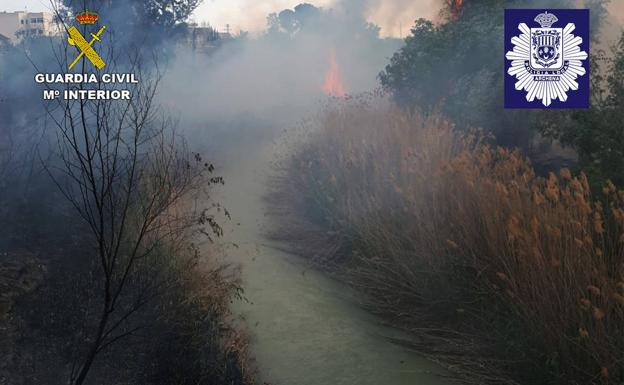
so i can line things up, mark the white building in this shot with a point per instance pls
(16, 25)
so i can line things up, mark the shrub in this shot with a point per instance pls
(497, 270)
(175, 328)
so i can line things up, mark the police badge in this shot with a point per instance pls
(546, 43)
(547, 63)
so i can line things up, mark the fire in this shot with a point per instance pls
(456, 7)
(333, 84)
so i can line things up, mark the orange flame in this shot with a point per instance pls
(333, 84)
(456, 7)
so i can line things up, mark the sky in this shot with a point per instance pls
(395, 17)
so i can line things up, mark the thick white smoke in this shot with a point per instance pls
(393, 16)
(274, 77)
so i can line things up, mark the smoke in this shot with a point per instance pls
(271, 81)
(616, 9)
(244, 14)
(392, 16)
(613, 26)
(273, 78)
(397, 17)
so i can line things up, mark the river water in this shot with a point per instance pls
(305, 328)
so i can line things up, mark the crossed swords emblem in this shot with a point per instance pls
(75, 38)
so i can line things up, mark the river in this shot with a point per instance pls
(305, 327)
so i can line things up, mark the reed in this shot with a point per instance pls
(503, 275)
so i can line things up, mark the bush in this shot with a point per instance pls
(178, 328)
(596, 133)
(183, 335)
(500, 273)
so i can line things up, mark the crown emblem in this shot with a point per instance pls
(87, 17)
(546, 20)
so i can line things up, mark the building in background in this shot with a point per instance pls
(17, 25)
(203, 38)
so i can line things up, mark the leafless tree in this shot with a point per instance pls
(131, 178)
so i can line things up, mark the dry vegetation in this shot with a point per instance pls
(101, 278)
(500, 274)
(180, 334)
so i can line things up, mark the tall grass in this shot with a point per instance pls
(501, 273)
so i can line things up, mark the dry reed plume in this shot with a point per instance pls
(495, 269)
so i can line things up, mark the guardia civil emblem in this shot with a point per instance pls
(85, 47)
(547, 61)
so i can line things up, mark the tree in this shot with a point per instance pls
(166, 13)
(130, 178)
(597, 134)
(140, 23)
(159, 13)
(455, 67)
(291, 21)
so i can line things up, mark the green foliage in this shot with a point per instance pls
(145, 24)
(306, 18)
(597, 133)
(455, 67)
(167, 12)
(290, 21)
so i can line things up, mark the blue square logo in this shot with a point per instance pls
(547, 58)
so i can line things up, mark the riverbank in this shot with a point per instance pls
(305, 328)
(503, 276)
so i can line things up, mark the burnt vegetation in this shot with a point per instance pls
(104, 210)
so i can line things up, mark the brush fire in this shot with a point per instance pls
(333, 85)
(391, 192)
(456, 7)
